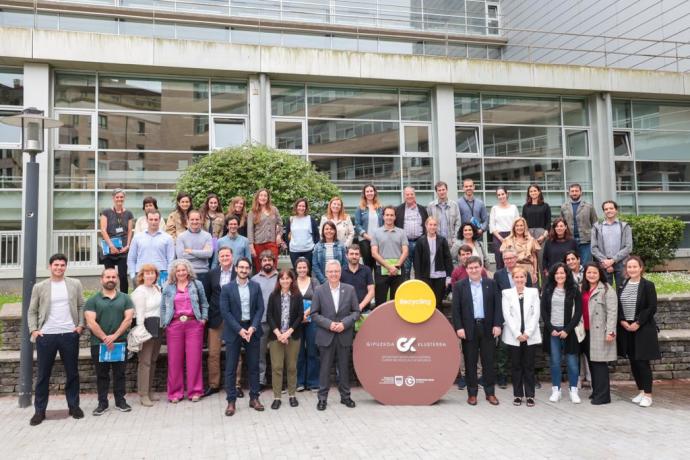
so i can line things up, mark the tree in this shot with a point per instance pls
(245, 169)
(655, 238)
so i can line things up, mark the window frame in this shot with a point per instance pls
(280, 119)
(94, 130)
(244, 120)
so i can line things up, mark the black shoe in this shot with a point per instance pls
(76, 412)
(276, 404)
(100, 410)
(240, 393)
(461, 383)
(348, 402)
(122, 406)
(294, 402)
(37, 419)
(502, 382)
(321, 405)
(210, 391)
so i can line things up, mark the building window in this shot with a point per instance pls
(621, 144)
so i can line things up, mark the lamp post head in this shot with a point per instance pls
(33, 123)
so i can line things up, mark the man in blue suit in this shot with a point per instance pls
(242, 306)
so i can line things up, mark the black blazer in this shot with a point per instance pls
(314, 231)
(400, 216)
(572, 313)
(214, 317)
(646, 337)
(442, 262)
(463, 307)
(502, 281)
(274, 311)
(231, 311)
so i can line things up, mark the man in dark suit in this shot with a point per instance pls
(218, 277)
(477, 319)
(504, 280)
(242, 306)
(411, 218)
(334, 310)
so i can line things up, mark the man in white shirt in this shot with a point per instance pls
(334, 310)
(56, 320)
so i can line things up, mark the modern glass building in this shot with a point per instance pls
(391, 92)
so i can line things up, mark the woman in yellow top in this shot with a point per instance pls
(526, 247)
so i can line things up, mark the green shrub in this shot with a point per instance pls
(655, 238)
(245, 169)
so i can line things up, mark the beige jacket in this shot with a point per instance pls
(173, 225)
(39, 308)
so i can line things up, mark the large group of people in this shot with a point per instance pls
(209, 270)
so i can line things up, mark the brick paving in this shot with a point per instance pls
(447, 429)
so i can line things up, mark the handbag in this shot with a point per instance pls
(153, 325)
(580, 329)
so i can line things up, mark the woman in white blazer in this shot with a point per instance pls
(521, 310)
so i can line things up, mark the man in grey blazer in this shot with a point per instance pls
(334, 310)
(56, 320)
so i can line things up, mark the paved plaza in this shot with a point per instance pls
(448, 429)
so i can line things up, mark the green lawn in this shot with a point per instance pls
(670, 283)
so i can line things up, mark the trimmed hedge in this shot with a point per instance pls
(655, 238)
(245, 169)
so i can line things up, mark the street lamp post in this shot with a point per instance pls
(33, 125)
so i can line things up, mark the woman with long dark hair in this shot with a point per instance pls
(599, 312)
(264, 226)
(501, 220)
(301, 231)
(238, 208)
(559, 241)
(177, 220)
(561, 311)
(328, 248)
(368, 217)
(212, 218)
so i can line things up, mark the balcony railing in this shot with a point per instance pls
(10, 249)
(79, 246)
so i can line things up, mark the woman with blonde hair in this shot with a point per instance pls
(368, 217)
(526, 247)
(336, 213)
(184, 312)
(238, 208)
(264, 226)
(147, 305)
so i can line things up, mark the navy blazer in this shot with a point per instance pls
(463, 307)
(502, 281)
(231, 310)
(214, 316)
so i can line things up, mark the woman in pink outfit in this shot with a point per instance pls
(184, 311)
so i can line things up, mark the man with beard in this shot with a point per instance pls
(108, 314)
(266, 278)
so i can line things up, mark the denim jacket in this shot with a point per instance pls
(318, 259)
(362, 219)
(197, 295)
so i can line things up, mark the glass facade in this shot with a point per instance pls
(652, 157)
(136, 133)
(11, 161)
(357, 135)
(514, 140)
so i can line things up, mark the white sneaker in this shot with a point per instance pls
(555, 394)
(637, 399)
(646, 401)
(574, 397)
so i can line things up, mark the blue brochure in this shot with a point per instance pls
(118, 353)
(307, 306)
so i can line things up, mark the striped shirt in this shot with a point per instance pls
(629, 300)
(558, 307)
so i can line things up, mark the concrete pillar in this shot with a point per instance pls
(260, 130)
(601, 148)
(445, 165)
(37, 94)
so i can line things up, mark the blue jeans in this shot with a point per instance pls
(585, 250)
(410, 258)
(572, 361)
(617, 274)
(308, 360)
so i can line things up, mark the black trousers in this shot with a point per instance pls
(522, 369)
(103, 378)
(341, 355)
(385, 285)
(232, 356)
(365, 252)
(118, 261)
(438, 285)
(642, 373)
(601, 384)
(483, 347)
(47, 348)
